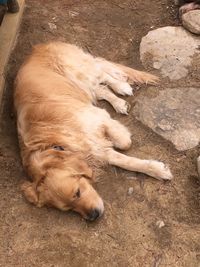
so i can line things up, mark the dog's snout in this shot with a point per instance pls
(93, 214)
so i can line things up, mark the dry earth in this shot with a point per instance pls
(127, 235)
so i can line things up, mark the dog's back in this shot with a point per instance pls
(46, 102)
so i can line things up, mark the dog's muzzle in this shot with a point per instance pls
(93, 215)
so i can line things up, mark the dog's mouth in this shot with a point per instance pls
(93, 215)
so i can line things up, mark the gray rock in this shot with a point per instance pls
(173, 114)
(160, 224)
(191, 21)
(170, 50)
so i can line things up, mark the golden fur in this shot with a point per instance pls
(63, 136)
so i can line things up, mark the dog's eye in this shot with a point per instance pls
(77, 194)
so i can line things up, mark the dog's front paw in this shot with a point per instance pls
(122, 107)
(159, 170)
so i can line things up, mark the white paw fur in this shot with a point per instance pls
(124, 89)
(159, 170)
(122, 107)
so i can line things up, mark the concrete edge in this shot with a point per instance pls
(8, 33)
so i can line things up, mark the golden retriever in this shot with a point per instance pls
(64, 138)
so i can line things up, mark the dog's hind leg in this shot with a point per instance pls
(152, 168)
(118, 77)
(118, 134)
(120, 105)
(119, 87)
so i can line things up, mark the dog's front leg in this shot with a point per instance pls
(120, 105)
(153, 168)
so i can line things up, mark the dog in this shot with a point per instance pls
(187, 5)
(64, 138)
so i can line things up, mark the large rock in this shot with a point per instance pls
(173, 114)
(191, 21)
(171, 50)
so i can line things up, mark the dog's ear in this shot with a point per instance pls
(85, 170)
(81, 167)
(29, 190)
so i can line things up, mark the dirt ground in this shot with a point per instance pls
(127, 234)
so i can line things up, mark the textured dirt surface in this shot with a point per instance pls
(127, 235)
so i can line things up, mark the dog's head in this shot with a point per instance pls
(63, 180)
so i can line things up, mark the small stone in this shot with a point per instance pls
(191, 21)
(73, 13)
(160, 224)
(130, 191)
(180, 158)
(52, 26)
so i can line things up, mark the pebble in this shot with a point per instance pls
(52, 26)
(180, 158)
(160, 224)
(191, 21)
(73, 13)
(130, 191)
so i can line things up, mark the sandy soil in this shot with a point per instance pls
(127, 235)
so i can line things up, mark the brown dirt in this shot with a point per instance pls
(127, 235)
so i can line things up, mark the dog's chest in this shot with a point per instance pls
(93, 121)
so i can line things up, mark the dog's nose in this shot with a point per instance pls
(93, 214)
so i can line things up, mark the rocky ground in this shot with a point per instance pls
(146, 222)
(175, 112)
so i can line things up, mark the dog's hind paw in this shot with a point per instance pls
(125, 89)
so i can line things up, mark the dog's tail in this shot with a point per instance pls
(136, 76)
(123, 73)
